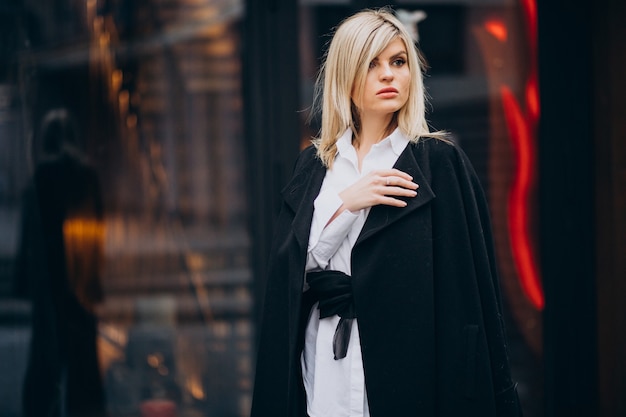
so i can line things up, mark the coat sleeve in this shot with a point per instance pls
(475, 205)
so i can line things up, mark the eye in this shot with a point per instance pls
(372, 65)
(398, 62)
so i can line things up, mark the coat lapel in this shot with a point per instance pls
(300, 193)
(380, 216)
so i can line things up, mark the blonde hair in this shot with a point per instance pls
(356, 42)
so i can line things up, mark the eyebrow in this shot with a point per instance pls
(399, 54)
(394, 56)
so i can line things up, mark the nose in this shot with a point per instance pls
(386, 72)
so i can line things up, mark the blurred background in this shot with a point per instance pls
(144, 144)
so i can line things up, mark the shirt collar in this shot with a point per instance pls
(396, 139)
(344, 143)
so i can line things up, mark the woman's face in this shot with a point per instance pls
(387, 82)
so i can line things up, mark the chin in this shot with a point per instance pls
(390, 110)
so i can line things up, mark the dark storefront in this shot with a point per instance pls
(133, 251)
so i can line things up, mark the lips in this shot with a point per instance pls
(387, 90)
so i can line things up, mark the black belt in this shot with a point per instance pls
(333, 291)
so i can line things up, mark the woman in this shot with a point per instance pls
(382, 294)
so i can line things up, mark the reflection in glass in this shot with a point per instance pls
(58, 269)
(155, 90)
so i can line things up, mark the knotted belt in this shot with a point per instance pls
(333, 291)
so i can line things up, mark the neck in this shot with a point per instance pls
(373, 130)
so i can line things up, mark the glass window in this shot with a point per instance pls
(124, 270)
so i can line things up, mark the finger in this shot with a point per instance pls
(394, 202)
(401, 174)
(400, 182)
(399, 191)
(393, 172)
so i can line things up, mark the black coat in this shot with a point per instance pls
(425, 291)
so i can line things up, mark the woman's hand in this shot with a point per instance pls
(379, 187)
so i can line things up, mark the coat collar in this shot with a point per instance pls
(305, 185)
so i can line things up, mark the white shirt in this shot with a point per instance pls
(336, 388)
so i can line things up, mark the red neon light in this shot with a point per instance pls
(497, 28)
(532, 100)
(522, 140)
(522, 129)
(530, 14)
